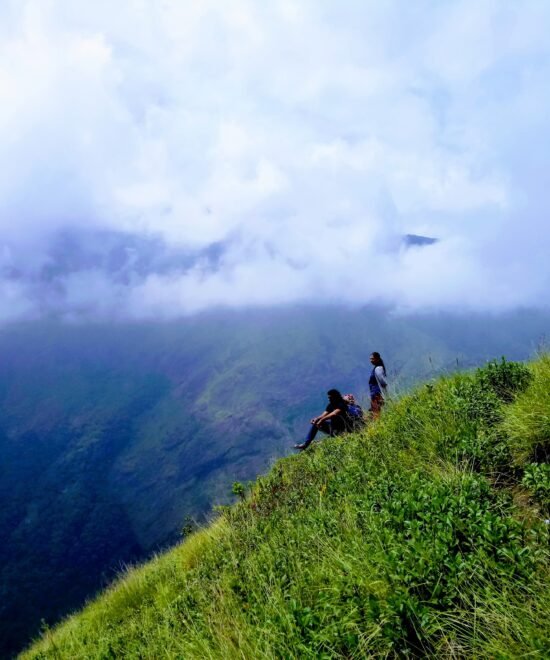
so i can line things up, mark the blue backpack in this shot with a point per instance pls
(355, 411)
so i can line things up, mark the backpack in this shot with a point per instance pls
(355, 412)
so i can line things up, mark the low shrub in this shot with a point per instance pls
(439, 539)
(536, 478)
(505, 379)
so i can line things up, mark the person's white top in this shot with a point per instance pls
(381, 379)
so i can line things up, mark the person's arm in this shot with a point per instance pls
(379, 373)
(326, 415)
(319, 418)
(334, 413)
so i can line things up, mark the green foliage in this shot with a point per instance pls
(506, 379)
(189, 526)
(481, 404)
(238, 489)
(441, 535)
(527, 420)
(536, 478)
(395, 542)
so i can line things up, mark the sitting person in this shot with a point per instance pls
(332, 422)
(355, 413)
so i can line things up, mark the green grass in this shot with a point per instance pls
(421, 536)
(528, 418)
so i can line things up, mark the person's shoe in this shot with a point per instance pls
(299, 446)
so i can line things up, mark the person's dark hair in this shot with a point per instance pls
(337, 399)
(379, 362)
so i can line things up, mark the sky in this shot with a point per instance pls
(163, 157)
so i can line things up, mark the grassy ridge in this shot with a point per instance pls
(111, 435)
(423, 535)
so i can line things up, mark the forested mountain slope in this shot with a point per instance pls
(111, 436)
(424, 535)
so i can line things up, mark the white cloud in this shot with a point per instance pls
(306, 138)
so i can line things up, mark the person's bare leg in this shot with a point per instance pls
(376, 404)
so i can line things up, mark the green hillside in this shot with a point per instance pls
(425, 535)
(112, 435)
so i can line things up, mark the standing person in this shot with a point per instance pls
(377, 384)
(332, 422)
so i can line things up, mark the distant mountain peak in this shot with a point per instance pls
(414, 240)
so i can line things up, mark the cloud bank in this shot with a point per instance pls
(161, 158)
